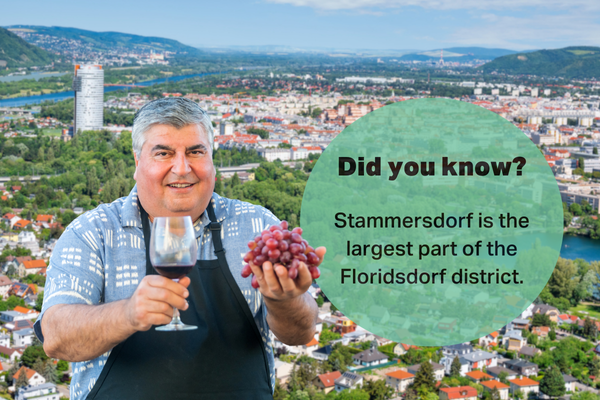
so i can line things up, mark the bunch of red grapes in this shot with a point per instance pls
(281, 246)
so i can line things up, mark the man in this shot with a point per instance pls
(103, 298)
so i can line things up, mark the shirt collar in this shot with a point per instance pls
(130, 211)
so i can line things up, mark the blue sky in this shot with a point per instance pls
(343, 24)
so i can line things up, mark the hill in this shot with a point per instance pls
(110, 40)
(570, 62)
(459, 54)
(15, 52)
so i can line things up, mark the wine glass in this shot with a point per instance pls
(173, 251)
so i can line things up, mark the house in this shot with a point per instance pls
(10, 219)
(4, 340)
(21, 224)
(520, 324)
(27, 311)
(459, 392)
(32, 267)
(496, 371)
(45, 391)
(348, 380)
(447, 324)
(19, 289)
(480, 359)
(12, 316)
(502, 388)
(45, 218)
(23, 337)
(311, 346)
(382, 341)
(541, 331)
(402, 348)
(567, 319)
(399, 380)
(569, 382)
(513, 340)
(18, 325)
(326, 382)
(33, 378)
(283, 370)
(438, 370)
(5, 284)
(525, 385)
(489, 339)
(370, 357)
(457, 349)
(323, 353)
(529, 352)
(447, 363)
(478, 376)
(522, 367)
(11, 354)
(545, 309)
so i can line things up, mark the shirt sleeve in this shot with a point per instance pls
(75, 274)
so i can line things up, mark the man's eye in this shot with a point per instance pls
(197, 152)
(161, 154)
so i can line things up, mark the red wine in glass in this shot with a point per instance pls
(173, 253)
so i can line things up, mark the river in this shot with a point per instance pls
(580, 247)
(22, 101)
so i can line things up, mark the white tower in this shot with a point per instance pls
(88, 86)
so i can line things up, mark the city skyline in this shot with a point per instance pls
(351, 24)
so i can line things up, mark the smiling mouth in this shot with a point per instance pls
(180, 185)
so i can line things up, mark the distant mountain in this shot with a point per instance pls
(15, 52)
(570, 62)
(283, 49)
(110, 40)
(460, 54)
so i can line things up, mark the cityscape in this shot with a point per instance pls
(65, 140)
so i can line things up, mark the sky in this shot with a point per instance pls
(335, 24)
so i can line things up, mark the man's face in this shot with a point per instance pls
(174, 173)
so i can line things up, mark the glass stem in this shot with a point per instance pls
(176, 317)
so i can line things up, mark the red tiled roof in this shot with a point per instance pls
(328, 379)
(494, 384)
(22, 223)
(460, 392)
(399, 374)
(478, 375)
(28, 372)
(313, 342)
(35, 264)
(524, 382)
(44, 218)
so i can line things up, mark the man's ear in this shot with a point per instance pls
(136, 164)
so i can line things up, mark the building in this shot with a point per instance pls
(348, 381)
(370, 357)
(31, 267)
(489, 386)
(525, 385)
(33, 378)
(326, 382)
(459, 392)
(5, 284)
(12, 316)
(45, 391)
(10, 354)
(438, 370)
(544, 309)
(399, 380)
(88, 85)
(4, 340)
(23, 337)
(226, 128)
(477, 376)
(522, 367)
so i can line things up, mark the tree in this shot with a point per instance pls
(553, 383)
(594, 366)
(39, 366)
(12, 371)
(21, 380)
(595, 151)
(235, 180)
(31, 354)
(503, 377)
(495, 394)
(590, 329)
(519, 394)
(540, 320)
(455, 368)
(320, 301)
(39, 301)
(50, 373)
(425, 377)
(580, 163)
(552, 334)
(378, 390)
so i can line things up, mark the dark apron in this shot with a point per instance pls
(224, 358)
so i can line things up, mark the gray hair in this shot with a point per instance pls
(173, 111)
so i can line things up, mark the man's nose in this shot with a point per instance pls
(181, 165)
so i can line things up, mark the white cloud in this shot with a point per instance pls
(525, 33)
(442, 4)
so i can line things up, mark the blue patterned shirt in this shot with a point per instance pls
(101, 257)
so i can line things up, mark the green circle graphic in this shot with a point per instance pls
(442, 221)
